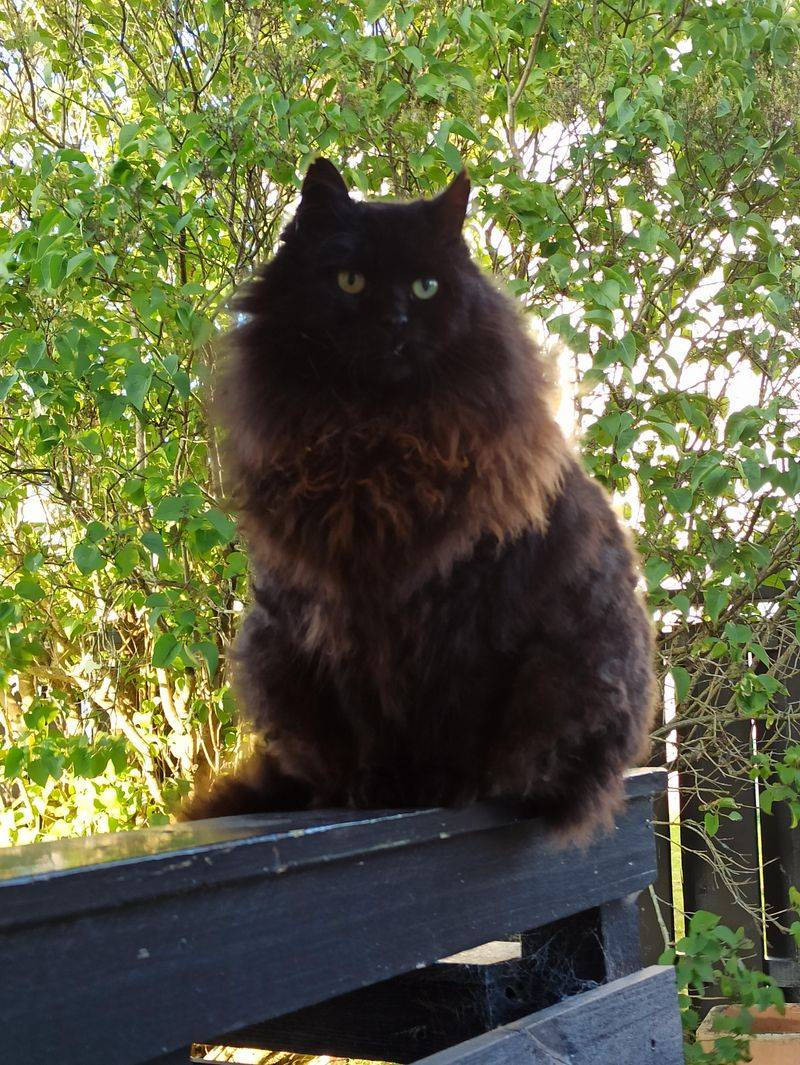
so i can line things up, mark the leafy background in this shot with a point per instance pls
(638, 189)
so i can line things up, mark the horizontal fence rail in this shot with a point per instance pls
(624, 1023)
(144, 942)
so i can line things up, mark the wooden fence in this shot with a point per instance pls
(325, 932)
(763, 850)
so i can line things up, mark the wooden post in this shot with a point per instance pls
(703, 888)
(651, 924)
(781, 851)
(619, 928)
(630, 1021)
(586, 949)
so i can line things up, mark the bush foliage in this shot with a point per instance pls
(638, 188)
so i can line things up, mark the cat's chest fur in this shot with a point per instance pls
(355, 500)
(380, 507)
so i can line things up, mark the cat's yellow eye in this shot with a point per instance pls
(351, 282)
(425, 287)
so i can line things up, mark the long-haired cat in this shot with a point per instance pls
(445, 607)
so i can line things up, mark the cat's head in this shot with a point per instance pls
(373, 298)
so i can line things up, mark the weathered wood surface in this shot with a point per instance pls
(422, 1012)
(411, 1015)
(144, 942)
(655, 915)
(781, 849)
(631, 1021)
(577, 952)
(473, 992)
(702, 773)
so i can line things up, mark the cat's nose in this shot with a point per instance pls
(396, 320)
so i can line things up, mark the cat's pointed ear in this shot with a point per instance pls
(323, 177)
(322, 199)
(450, 207)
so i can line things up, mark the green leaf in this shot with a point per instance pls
(561, 325)
(655, 570)
(681, 602)
(126, 559)
(96, 531)
(452, 157)
(627, 350)
(430, 85)
(711, 823)
(29, 589)
(224, 525)
(683, 682)
(167, 170)
(391, 92)
(108, 261)
(375, 9)
(775, 263)
(127, 133)
(236, 564)
(134, 490)
(668, 433)
(154, 544)
(119, 757)
(209, 652)
(45, 767)
(165, 650)
(6, 384)
(80, 260)
(137, 383)
(703, 922)
(414, 56)
(53, 271)
(87, 558)
(664, 122)
(680, 499)
(716, 599)
(13, 759)
(171, 363)
(174, 508)
(738, 634)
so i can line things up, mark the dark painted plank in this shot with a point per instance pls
(566, 955)
(418, 1013)
(785, 972)
(290, 921)
(703, 889)
(72, 876)
(619, 928)
(650, 922)
(576, 953)
(632, 1021)
(781, 847)
(76, 875)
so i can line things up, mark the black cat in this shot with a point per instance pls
(445, 605)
